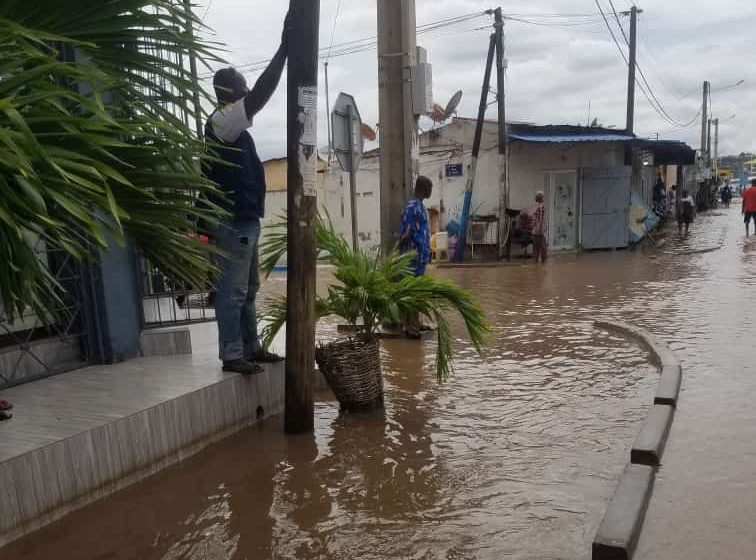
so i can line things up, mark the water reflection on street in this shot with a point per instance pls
(515, 457)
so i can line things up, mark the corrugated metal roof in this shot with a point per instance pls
(572, 137)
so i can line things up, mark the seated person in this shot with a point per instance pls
(523, 231)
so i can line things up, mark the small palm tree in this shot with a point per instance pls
(93, 143)
(374, 289)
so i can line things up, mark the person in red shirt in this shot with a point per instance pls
(749, 206)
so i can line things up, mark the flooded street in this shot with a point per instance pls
(515, 457)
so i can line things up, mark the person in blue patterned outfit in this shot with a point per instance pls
(415, 236)
(415, 230)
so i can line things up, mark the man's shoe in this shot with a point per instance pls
(241, 365)
(267, 357)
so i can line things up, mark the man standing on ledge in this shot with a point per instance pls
(241, 178)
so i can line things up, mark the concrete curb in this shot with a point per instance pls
(649, 445)
(621, 526)
(661, 353)
(619, 531)
(668, 389)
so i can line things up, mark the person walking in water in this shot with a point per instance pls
(414, 235)
(685, 212)
(748, 208)
(241, 178)
(539, 228)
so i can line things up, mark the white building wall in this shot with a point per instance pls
(333, 199)
(529, 161)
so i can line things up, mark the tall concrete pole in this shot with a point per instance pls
(716, 146)
(397, 46)
(708, 139)
(704, 118)
(629, 123)
(302, 156)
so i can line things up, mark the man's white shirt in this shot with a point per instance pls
(230, 121)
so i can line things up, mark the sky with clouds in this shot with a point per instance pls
(563, 66)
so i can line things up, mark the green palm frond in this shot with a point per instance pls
(372, 289)
(93, 144)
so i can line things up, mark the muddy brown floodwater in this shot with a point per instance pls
(515, 457)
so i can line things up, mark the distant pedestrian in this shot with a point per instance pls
(726, 196)
(685, 212)
(539, 228)
(748, 208)
(414, 236)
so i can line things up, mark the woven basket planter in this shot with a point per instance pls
(352, 368)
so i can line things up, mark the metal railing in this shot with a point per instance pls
(34, 346)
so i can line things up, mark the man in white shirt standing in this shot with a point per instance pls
(242, 180)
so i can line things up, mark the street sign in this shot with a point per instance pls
(347, 144)
(347, 136)
(454, 170)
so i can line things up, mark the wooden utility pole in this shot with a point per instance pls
(302, 156)
(502, 120)
(459, 250)
(193, 69)
(397, 46)
(630, 122)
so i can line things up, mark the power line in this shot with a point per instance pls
(552, 23)
(365, 44)
(207, 9)
(651, 98)
(333, 29)
(645, 80)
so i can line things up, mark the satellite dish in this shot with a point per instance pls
(451, 107)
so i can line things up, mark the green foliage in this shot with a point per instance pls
(93, 146)
(371, 290)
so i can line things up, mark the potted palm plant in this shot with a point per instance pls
(370, 289)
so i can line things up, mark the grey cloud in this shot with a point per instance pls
(553, 71)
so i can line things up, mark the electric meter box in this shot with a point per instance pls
(422, 84)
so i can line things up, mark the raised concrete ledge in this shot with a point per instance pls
(649, 445)
(668, 389)
(84, 456)
(660, 351)
(618, 533)
(623, 520)
(172, 341)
